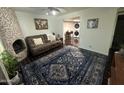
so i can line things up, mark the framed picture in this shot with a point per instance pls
(92, 23)
(41, 24)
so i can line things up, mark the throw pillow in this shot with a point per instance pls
(51, 37)
(37, 41)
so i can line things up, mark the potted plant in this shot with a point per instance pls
(10, 64)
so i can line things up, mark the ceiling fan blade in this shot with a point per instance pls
(62, 10)
(58, 9)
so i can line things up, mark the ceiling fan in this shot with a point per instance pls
(54, 10)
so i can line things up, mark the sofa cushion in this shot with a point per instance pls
(37, 41)
(56, 42)
(30, 42)
(39, 49)
(51, 37)
(44, 38)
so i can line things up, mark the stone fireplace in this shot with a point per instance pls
(11, 34)
(18, 46)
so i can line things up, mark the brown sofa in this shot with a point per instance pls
(39, 49)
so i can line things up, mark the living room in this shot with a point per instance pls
(89, 37)
(41, 53)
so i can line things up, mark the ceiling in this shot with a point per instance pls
(41, 10)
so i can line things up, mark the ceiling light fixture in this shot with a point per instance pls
(47, 13)
(52, 11)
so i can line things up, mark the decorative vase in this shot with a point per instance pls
(15, 80)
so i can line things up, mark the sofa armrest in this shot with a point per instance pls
(48, 41)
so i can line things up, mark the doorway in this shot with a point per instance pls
(71, 31)
(118, 40)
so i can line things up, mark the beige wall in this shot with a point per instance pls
(100, 39)
(26, 21)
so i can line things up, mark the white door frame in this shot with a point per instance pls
(5, 72)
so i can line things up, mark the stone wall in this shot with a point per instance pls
(10, 31)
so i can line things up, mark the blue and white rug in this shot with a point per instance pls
(67, 66)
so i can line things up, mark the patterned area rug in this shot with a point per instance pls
(67, 66)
